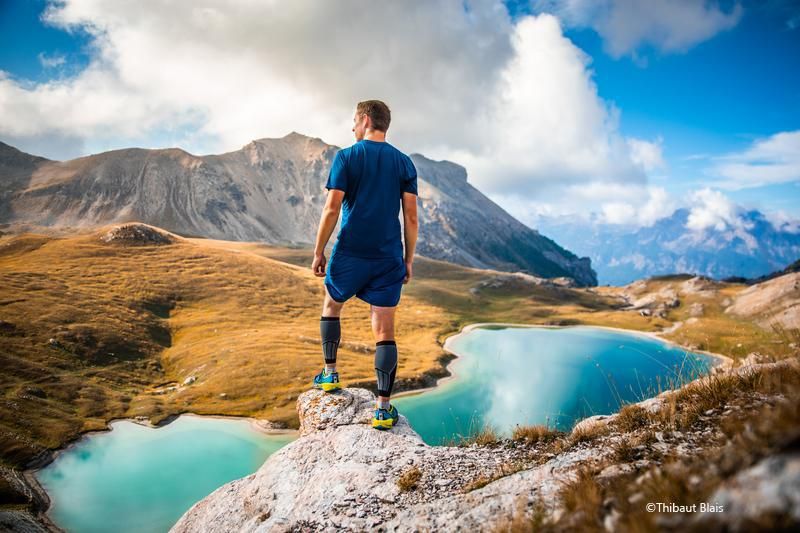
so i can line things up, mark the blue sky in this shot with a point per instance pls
(712, 97)
(717, 97)
(23, 37)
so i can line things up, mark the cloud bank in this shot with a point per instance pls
(671, 26)
(514, 101)
(775, 159)
(213, 75)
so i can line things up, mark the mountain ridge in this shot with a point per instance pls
(271, 190)
(753, 248)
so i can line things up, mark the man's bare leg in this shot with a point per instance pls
(382, 319)
(330, 330)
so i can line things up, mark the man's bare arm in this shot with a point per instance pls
(327, 223)
(410, 230)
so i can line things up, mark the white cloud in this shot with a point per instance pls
(626, 25)
(546, 123)
(646, 154)
(784, 222)
(637, 206)
(775, 159)
(514, 102)
(711, 209)
(51, 61)
(637, 260)
(658, 204)
(595, 202)
(246, 70)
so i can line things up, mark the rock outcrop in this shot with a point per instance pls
(776, 482)
(138, 234)
(338, 459)
(776, 301)
(320, 476)
(341, 474)
(658, 303)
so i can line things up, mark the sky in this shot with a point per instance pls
(607, 111)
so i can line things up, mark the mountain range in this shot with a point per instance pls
(271, 190)
(754, 248)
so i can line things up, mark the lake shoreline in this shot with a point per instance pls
(724, 360)
(263, 426)
(258, 424)
(29, 473)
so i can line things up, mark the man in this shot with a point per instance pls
(370, 179)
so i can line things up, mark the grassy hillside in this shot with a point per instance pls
(699, 321)
(91, 330)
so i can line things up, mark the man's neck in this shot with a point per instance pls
(375, 135)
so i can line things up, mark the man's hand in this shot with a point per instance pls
(327, 223)
(410, 229)
(318, 266)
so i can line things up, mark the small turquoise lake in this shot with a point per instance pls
(544, 375)
(142, 479)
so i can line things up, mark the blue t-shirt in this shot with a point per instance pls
(373, 176)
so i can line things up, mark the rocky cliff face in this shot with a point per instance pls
(343, 475)
(461, 225)
(271, 190)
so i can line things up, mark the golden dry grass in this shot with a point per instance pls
(129, 323)
(408, 479)
(535, 433)
(749, 434)
(714, 331)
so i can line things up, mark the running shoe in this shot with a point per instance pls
(385, 418)
(327, 382)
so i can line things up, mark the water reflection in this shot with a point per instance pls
(140, 479)
(554, 376)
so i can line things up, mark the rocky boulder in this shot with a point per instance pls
(340, 471)
(138, 233)
(344, 475)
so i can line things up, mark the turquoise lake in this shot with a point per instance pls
(141, 479)
(540, 375)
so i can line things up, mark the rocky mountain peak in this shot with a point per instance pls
(444, 169)
(293, 145)
(270, 190)
(11, 158)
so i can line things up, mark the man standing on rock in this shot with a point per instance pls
(370, 179)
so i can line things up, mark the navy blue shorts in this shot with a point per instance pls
(376, 281)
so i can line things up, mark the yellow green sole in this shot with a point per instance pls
(382, 424)
(329, 386)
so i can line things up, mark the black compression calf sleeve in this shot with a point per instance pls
(385, 366)
(330, 331)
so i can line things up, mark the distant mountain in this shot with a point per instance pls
(791, 269)
(271, 190)
(668, 246)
